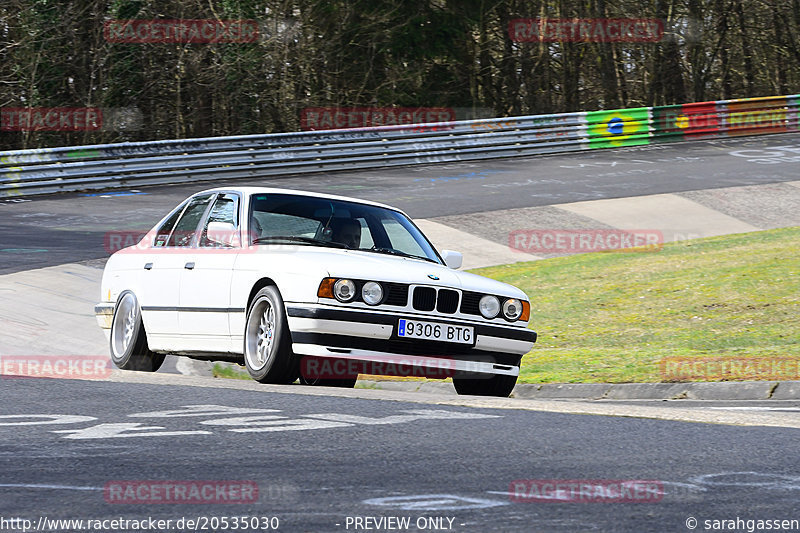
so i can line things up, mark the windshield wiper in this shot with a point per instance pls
(298, 239)
(392, 251)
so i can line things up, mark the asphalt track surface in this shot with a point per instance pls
(451, 463)
(321, 459)
(58, 229)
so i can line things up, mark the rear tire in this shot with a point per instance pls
(498, 385)
(128, 342)
(267, 341)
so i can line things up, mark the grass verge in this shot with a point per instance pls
(229, 372)
(724, 302)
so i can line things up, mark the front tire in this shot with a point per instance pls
(498, 385)
(267, 342)
(128, 342)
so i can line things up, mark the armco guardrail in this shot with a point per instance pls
(26, 172)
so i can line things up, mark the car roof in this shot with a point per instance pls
(248, 191)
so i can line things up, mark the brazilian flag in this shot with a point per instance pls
(620, 127)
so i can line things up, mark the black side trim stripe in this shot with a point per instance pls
(195, 309)
(373, 318)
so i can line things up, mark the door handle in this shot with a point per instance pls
(189, 266)
(148, 266)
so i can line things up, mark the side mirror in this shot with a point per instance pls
(223, 233)
(452, 259)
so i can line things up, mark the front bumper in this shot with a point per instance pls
(370, 336)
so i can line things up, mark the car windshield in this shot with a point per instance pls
(306, 220)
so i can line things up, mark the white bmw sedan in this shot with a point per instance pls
(310, 286)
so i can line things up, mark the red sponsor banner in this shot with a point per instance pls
(180, 31)
(756, 115)
(586, 491)
(180, 492)
(730, 368)
(699, 120)
(577, 241)
(55, 366)
(333, 118)
(392, 365)
(51, 118)
(595, 30)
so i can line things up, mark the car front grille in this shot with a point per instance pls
(396, 294)
(424, 298)
(470, 302)
(444, 301)
(447, 301)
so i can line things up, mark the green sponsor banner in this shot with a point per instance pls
(620, 127)
(668, 123)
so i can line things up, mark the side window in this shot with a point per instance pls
(166, 228)
(186, 227)
(225, 209)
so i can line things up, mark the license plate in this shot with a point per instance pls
(417, 329)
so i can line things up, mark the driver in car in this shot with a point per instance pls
(347, 232)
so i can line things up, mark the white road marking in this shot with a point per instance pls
(748, 479)
(203, 410)
(257, 421)
(690, 487)
(50, 419)
(416, 414)
(263, 424)
(118, 431)
(244, 420)
(47, 487)
(434, 502)
(557, 496)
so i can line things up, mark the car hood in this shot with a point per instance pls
(379, 267)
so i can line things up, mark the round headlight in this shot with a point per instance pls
(489, 306)
(372, 293)
(344, 290)
(512, 309)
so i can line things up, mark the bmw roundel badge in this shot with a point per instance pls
(433, 277)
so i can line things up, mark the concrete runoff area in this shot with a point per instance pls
(477, 251)
(679, 217)
(676, 217)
